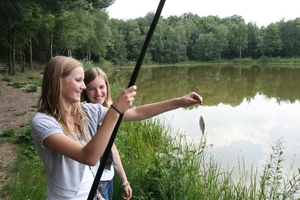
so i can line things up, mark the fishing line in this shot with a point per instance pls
(131, 83)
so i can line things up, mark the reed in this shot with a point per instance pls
(161, 164)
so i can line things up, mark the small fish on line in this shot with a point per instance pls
(202, 124)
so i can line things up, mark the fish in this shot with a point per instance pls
(202, 124)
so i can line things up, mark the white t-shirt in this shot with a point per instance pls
(107, 175)
(85, 187)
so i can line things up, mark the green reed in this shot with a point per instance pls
(161, 164)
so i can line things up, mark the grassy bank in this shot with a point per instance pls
(160, 164)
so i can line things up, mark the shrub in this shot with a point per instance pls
(6, 79)
(9, 133)
(32, 88)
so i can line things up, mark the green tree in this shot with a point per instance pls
(289, 34)
(156, 45)
(254, 40)
(102, 35)
(182, 42)
(20, 21)
(56, 7)
(101, 4)
(204, 49)
(133, 38)
(172, 44)
(271, 41)
(116, 47)
(237, 37)
(221, 39)
(190, 26)
(42, 40)
(68, 33)
(38, 20)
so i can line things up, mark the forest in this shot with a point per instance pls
(32, 31)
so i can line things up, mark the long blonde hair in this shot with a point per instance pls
(89, 76)
(50, 99)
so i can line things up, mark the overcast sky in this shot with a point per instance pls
(262, 12)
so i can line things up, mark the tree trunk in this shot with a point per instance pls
(220, 55)
(69, 53)
(21, 62)
(30, 54)
(9, 54)
(51, 49)
(13, 55)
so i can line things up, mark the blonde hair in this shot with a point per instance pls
(89, 76)
(50, 99)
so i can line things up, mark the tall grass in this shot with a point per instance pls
(161, 164)
(27, 181)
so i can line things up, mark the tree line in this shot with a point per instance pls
(36, 30)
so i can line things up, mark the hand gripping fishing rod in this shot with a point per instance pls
(131, 83)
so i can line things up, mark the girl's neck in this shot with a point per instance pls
(71, 123)
(68, 108)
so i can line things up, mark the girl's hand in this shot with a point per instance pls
(191, 99)
(124, 101)
(127, 192)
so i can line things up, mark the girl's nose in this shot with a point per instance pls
(83, 87)
(98, 91)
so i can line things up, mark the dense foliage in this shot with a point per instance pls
(35, 30)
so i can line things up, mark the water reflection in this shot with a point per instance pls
(245, 131)
(245, 109)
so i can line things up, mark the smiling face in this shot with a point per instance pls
(73, 85)
(96, 90)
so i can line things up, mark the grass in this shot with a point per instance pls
(30, 83)
(9, 133)
(17, 84)
(27, 181)
(161, 164)
(20, 113)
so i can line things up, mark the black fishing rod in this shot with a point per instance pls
(131, 83)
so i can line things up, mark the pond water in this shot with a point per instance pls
(246, 110)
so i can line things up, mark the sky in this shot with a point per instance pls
(262, 12)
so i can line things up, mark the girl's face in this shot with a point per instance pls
(96, 90)
(73, 85)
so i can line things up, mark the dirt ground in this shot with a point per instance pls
(17, 108)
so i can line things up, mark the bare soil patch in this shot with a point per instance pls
(17, 107)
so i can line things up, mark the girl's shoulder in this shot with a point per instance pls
(40, 116)
(92, 107)
(44, 125)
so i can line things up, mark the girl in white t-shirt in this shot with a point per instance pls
(98, 91)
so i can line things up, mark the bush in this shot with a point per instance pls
(9, 133)
(6, 79)
(32, 88)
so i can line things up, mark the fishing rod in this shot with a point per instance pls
(131, 83)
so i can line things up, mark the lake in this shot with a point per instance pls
(246, 109)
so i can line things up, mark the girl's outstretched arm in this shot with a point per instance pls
(149, 110)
